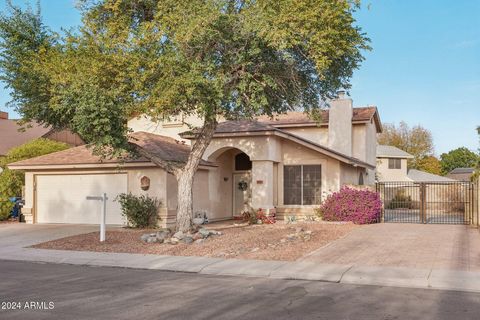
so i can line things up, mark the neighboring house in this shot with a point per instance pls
(286, 165)
(461, 174)
(12, 135)
(392, 166)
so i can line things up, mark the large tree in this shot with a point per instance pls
(458, 158)
(415, 140)
(208, 58)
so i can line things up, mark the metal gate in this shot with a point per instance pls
(427, 202)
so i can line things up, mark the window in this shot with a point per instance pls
(302, 185)
(394, 163)
(360, 179)
(242, 162)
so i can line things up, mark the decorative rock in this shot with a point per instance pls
(179, 235)
(259, 221)
(145, 237)
(188, 240)
(174, 241)
(160, 240)
(255, 249)
(283, 240)
(151, 240)
(198, 221)
(197, 236)
(162, 235)
(204, 232)
(199, 241)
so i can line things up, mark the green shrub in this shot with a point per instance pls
(401, 201)
(11, 181)
(140, 211)
(31, 149)
(10, 186)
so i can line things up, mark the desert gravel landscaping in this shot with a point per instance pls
(286, 242)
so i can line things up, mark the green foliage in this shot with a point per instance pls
(165, 58)
(417, 141)
(32, 149)
(140, 211)
(458, 158)
(11, 181)
(10, 185)
(430, 164)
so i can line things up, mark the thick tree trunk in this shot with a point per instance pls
(186, 175)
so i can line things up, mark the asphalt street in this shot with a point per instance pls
(55, 291)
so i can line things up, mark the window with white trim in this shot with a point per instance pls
(302, 184)
(394, 163)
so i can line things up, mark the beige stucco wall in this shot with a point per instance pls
(316, 134)
(170, 128)
(386, 174)
(350, 175)
(257, 148)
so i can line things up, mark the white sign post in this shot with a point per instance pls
(103, 218)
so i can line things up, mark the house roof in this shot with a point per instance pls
(422, 176)
(295, 118)
(163, 147)
(384, 151)
(251, 128)
(11, 136)
(462, 171)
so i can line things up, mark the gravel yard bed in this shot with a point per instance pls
(262, 242)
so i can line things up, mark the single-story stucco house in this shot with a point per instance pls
(392, 166)
(461, 174)
(286, 164)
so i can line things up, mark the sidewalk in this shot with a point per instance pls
(347, 274)
(347, 263)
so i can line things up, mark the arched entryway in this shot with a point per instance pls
(233, 180)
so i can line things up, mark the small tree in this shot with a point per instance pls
(11, 182)
(430, 164)
(208, 58)
(458, 158)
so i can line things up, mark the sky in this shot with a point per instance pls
(424, 68)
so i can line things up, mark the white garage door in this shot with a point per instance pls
(62, 198)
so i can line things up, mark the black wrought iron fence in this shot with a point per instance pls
(427, 202)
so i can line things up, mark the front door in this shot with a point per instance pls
(242, 192)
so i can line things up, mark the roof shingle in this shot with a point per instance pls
(163, 147)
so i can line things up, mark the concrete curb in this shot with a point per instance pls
(299, 270)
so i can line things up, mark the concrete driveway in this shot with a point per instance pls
(446, 247)
(19, 235)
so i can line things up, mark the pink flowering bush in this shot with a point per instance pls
(357, 206)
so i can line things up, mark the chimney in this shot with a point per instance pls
(3, 115)
(340, 124)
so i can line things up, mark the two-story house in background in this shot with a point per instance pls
(392, 166)
(287, 164)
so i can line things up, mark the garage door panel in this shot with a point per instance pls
(62, 198)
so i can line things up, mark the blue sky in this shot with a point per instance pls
(424, 67)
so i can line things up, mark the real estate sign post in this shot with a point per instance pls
(103, 219)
